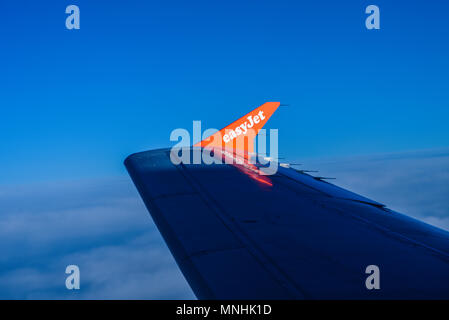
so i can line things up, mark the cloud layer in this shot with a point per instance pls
(103, 227)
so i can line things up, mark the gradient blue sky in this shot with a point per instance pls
(75, 103)
(370, 108)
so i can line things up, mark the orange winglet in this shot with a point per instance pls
(239, 135)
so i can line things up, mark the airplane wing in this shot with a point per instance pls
(235, 237)
(237, 234)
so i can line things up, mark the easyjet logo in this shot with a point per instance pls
(207, 150)
(243, 128)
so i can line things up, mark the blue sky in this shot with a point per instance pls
(75, 103)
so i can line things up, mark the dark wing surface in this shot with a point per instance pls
(236, 235)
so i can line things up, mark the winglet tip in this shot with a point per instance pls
(255, 119)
